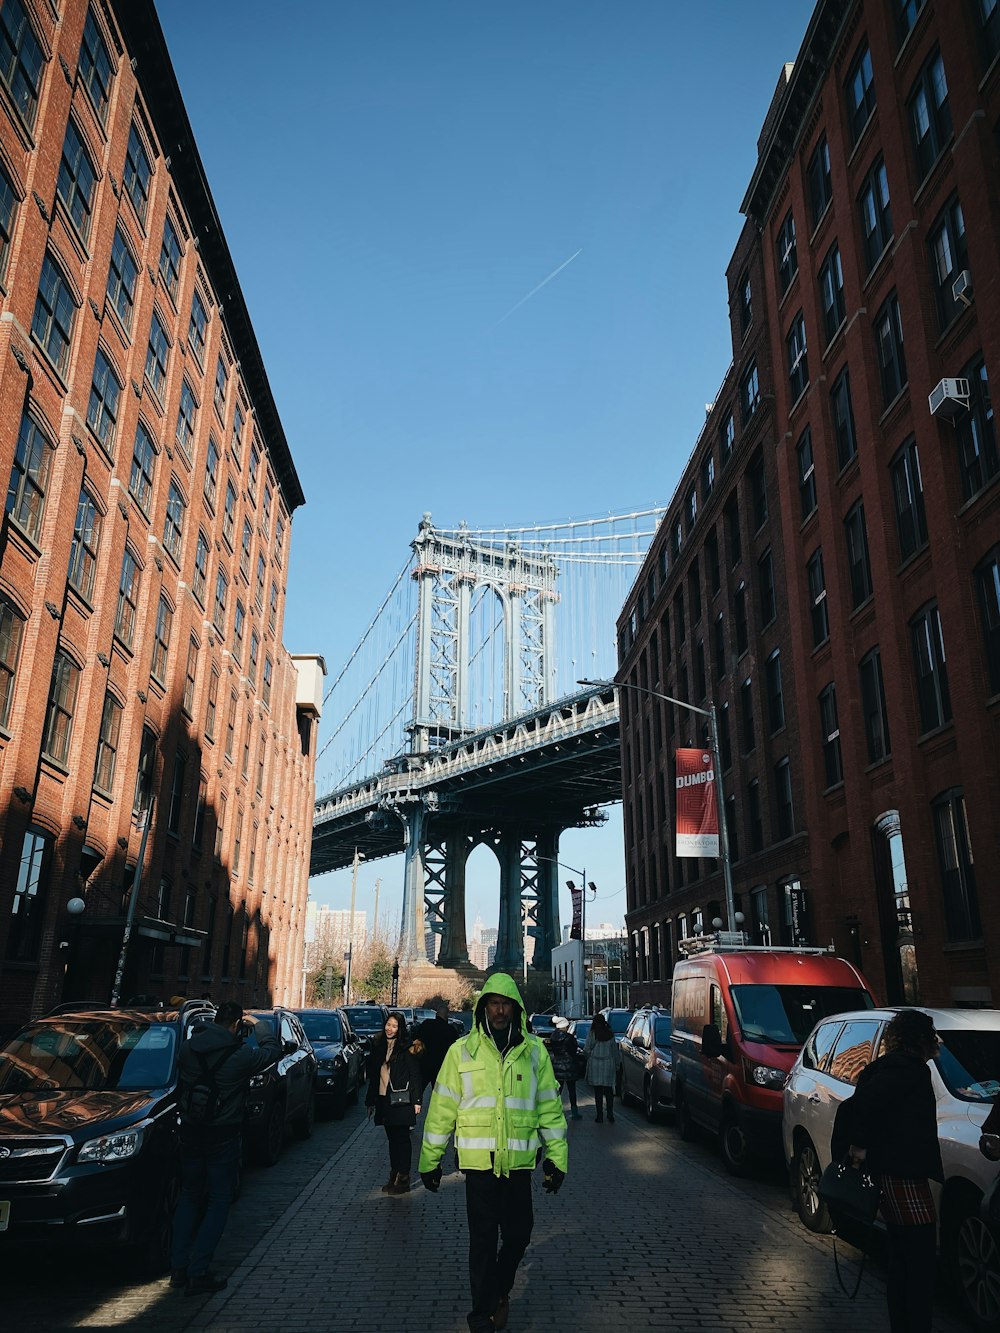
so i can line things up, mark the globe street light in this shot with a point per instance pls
(713, 736)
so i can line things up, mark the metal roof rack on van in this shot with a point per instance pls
(736, 941)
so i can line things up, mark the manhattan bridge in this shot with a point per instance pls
(457, 721)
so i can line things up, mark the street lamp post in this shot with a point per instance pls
(358, 858)
(720, 800)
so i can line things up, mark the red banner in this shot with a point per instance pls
(697, 815)
(576, 930)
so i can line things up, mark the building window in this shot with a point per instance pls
(121, 280)
(245, 549)
(740, 619)
(76, 179)
(930, 667)
(949, 256)
(128, 600)
(8, 207)
(858, 561)
(52, 323)
(237, 849)
(989, 18)
(239, 625)
(253, 468)
(843, 419)
(955, 861)
(94, 67)
(727, 436)
(798, 365)
(817, 598)
(819, 182)
(144, 779)
(279, 530)
(61, 705)
(719, 647)
(237, 439)
(876, 214)
(889, 346)
(177, 802)
(930, 114)
(788, 264)
(170, 259)
(775, 695)
(988, 588)
(143, 466)
(105, 393)
(755, 816)
(749, 392)
(831, 290)
(784, 815)
(197, 329)
(83, 551)
(700, 686)
(712, 559)
(190, 677)
(11, 629)
(747, 736)
(733, 537)
(807, 474)
(187, 412)
(161, 639)
(765, 589)
(173, 523)
(231, 724)
(200, 580)
(272, 611)
(212, 709)
(830, 731)
(221, 383)
(156, 356)
(197, 836)
(261, 757)
(976, 433)
(266, 682)
(24, 933)
(229, 514)
(758, 493)
(677, 538)
(29, 478)
(254, 653)
(21, 60)
(266, 507)
(707, 475)
(107, 744)
(908, 497)
(873, 707)
(860, 89)
(906, 16)
(212, 473)
(221, 594)
(746, 303)
(725, 741)
(136, 174)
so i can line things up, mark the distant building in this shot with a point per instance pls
(332, 933)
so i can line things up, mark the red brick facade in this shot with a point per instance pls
(146, 458)
(892, 686)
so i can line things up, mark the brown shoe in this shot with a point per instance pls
(500, 1313)
(401, 1186)
(387, 1187)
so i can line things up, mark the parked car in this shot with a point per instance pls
(618, 1021)
(964, 1074)
(340, 1059)
(740, 1017)
(88, 1131)
(542, 1025)
(367, 1020)
(580, 1028)
(283, 1094)
(647, 1062)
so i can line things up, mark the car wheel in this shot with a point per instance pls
(812, 1211)
(302, 1125)
(973, 1258)
(272, 1139)
(735, 1145)
(682, 1117)
(649, 1101)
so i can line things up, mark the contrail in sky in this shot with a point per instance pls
(554, 274)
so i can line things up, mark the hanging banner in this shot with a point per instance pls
(576, 930)
(697, 816)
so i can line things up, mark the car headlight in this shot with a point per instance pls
(113, 1147)
(766, 1076)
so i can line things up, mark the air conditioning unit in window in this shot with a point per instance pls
(961, 288)
(949, 398)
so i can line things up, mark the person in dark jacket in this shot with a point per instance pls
(210, 1147)
(563, 1054)
(892, 1126)
(395, 1086)
(436, 1034)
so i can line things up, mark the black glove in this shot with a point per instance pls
(432, 1179)
(553, 1177)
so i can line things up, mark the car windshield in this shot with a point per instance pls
(365, 1019)
(618, 1020)
(322, 1027)
(968, 1062)
(785, 1015)
(582, 1029)
(542, 1022)
(661, 1032)
(89, 1054)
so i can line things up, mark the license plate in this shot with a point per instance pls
(4, 1214)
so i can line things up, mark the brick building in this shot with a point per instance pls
(144, 547)
(874, 209)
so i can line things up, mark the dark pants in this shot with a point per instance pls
(496, 1205)
(570, 1085)
(604, 1097)
(399, 1148)
(209, 1175)
(909, 1278)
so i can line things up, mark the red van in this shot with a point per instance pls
(740, 1017)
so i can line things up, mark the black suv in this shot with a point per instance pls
(282, 1094)
(340, 1059)
(88, 1128)
(367, 1020)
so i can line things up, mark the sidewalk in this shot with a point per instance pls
(646, 1233)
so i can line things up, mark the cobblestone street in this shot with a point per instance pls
(646, 1233)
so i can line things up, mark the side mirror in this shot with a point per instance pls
(712, 1044)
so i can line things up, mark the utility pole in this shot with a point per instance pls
(358, 858)
(378, 885)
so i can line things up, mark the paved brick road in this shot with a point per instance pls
(647, 1233)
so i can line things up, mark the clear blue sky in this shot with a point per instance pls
(394, 176)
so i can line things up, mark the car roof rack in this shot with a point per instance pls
(74, 1006)
(735, 941)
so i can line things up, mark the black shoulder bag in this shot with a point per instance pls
(851, 1195)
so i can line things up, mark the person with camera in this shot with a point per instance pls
(395, 1087)
(497, 1093)
(214, 1071)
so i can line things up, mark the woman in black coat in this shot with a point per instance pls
(892, 1125)
(395, 1085)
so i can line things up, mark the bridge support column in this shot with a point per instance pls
(510, 929)
(547, 910)
(454, 944)
(412, 947)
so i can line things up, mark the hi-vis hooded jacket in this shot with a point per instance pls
(499, 1109)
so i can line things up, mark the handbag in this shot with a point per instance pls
(398, 1096)
(852, 1195)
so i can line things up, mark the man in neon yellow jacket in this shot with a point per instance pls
(497, 1093)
